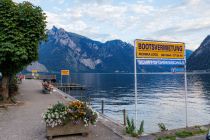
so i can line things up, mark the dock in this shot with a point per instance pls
(70, 86)
(40, 77)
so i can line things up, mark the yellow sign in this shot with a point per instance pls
(65, 72)
(34, 71)
(158, 49)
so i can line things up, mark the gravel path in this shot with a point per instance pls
(24, 122)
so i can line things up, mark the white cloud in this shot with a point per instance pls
(60, 21)
(141, 8)
(184, 20)
(93, 1)
(193, 2)
(104, 12)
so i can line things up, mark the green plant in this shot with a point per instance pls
(22, 28)
(167, 138)
(200, 131)
(80, 111)
(184, 134)
(131, 128)
(56, 115)
(162, 127)
(141, 128)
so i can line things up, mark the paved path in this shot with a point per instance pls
(24, 122)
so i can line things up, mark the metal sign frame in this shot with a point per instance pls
(135, 77)
(64, 75)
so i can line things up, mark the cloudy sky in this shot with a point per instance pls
(171, 20)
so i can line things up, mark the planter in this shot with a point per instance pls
(67, 129)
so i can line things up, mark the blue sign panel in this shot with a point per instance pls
(160, 62)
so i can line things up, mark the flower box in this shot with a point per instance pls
(73, 118)
(67, 129)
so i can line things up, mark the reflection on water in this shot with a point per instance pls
(161, 98)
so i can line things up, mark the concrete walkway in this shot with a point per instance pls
(24, 122)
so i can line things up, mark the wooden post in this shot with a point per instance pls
(124, 117)
(89, 100)
(102, 106)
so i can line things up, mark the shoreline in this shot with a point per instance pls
(25, 123)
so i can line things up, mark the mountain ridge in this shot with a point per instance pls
(200, 59)
(67, 50)
(82, 54)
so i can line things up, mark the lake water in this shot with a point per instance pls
(161, 97)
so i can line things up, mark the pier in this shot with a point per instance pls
(69, 86)
(40, 77)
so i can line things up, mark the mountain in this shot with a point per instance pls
(36, 66)
(200, 59)
(188, 53)
(66, 50)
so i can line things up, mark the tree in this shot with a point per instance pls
(22, 27)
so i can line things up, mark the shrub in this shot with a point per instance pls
(131, 128)
(162, 127)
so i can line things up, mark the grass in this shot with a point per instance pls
(167, 138)
(184, 134)
(188, 133)
(199, 132)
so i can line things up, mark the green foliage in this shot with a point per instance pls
(184, 134)
(141, 128)
(199, 131)
(58, 107)
(167, 138)
(162, 127)
(56, 115)
(131, 128)
(134, 134)
(22, 27)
